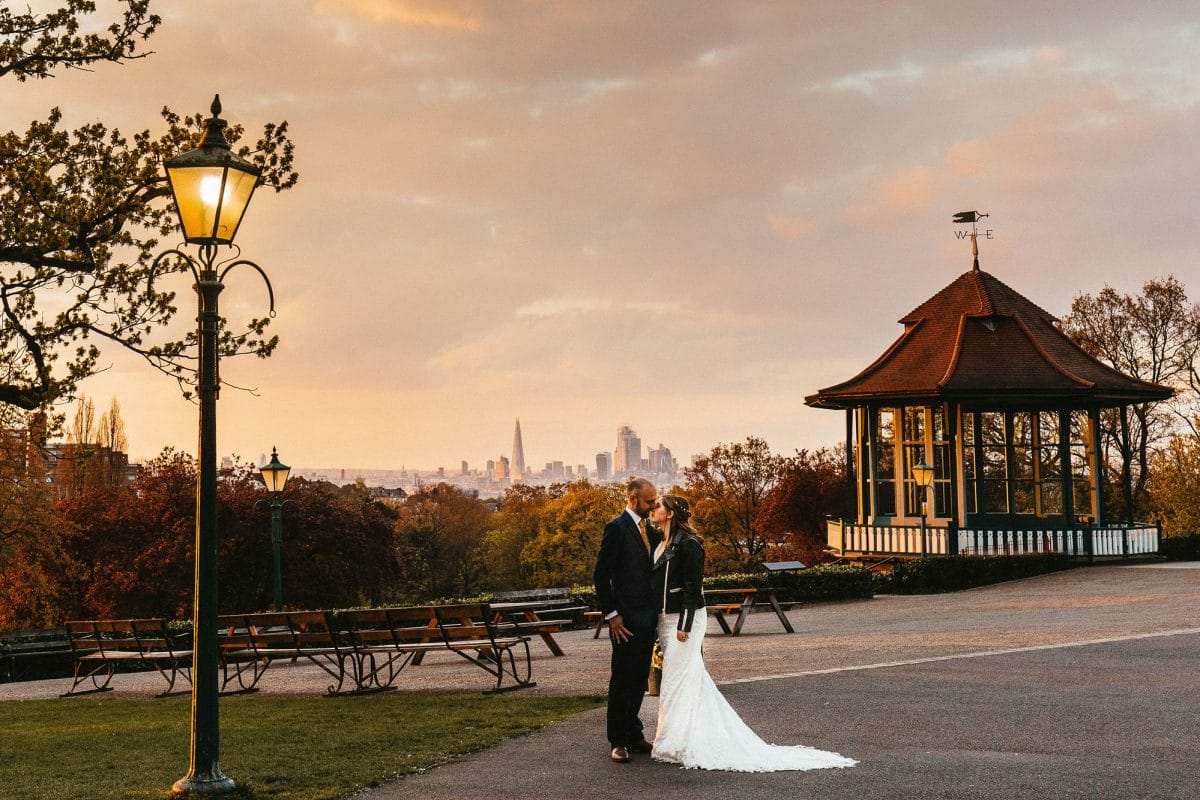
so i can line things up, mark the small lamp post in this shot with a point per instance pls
(923, 473)
(274, 476)
(211, 186)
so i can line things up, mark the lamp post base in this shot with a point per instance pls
(214, 783)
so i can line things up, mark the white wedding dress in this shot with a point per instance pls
(698, 729)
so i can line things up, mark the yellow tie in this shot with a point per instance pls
(645, 538)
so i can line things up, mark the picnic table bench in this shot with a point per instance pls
(250, 643)
(30, 646)
(386, 640)
(541, 611)
(365, 650)
(720, 602)
(102, 647)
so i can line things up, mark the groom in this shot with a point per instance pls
(623, 569)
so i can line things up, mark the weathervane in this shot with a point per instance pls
(971, 217)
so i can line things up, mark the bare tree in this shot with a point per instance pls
(1155, 337)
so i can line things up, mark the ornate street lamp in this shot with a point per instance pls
(211, 186)
(923, 473)
(274, 476)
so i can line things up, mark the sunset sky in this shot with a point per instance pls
(683, 216)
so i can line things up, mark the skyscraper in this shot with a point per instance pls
(627, 457)
(518, 456)
(603, 466)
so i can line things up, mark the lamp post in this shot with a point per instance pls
(923, 473)
(211, 186)
(274, 476)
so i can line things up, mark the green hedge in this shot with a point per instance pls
(1182, 548)
(952, 573)
(823, 582)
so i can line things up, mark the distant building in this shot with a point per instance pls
(518, 454)
(603, 466)
(627, 457)
(661, 462)
(581, 472)
(464, 468)
(502, 470)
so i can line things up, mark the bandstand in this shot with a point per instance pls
(984, 387)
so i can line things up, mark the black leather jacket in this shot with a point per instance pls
(678, 579)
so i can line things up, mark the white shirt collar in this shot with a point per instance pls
(636, 519)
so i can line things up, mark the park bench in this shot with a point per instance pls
(386, 640)
(468, 630)
(544, 612)
(103, 647)
(250, 643)
(31, 651)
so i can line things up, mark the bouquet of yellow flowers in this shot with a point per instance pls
(656, 656)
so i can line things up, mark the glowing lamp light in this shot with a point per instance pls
(211, 185)
(274, 473)
(923, 473)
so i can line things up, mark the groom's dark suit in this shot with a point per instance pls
(623, 576)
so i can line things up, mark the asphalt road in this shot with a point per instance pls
(1112, 717)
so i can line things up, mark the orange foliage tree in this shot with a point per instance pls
(810, 488)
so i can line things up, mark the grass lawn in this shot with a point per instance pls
(276, 747)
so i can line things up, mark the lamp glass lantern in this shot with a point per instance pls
(923, 473)
(211, 185)
(274, 473)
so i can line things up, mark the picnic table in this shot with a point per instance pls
(720, 602)
(740, 601)
(545, 617)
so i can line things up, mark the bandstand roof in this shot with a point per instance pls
(978, 339)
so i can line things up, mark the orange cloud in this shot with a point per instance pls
(441, 14)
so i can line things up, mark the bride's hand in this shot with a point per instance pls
(681, 635)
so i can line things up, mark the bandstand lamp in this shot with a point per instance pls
(923, 474)
(211, 187)
(274, 476)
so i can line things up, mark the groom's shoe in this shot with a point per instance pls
(620, 755)
(642, 747)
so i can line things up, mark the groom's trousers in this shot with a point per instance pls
(628, 682)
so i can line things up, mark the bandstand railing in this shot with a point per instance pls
(1078, 541)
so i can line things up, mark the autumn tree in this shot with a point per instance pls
(81, 214)
(811, 488)
(337, 550)
(726, 488)
(1153, 336)
(33, 561)
(512, 527)
(438, 535)
(569, 529)
(1175, 485)
(135, 546)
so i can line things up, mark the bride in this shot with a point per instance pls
(697, 728)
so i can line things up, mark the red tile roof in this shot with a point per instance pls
(978, 339)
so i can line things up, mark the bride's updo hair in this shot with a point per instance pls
(680, 513)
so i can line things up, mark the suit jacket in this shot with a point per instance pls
(678, 579)
(623, 571)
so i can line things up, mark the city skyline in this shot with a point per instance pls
(683, 216)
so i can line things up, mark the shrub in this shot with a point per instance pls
(1182, 548)
(953, 573)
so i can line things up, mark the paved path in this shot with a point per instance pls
(1074, 685)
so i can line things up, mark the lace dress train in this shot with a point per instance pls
(697, 728)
